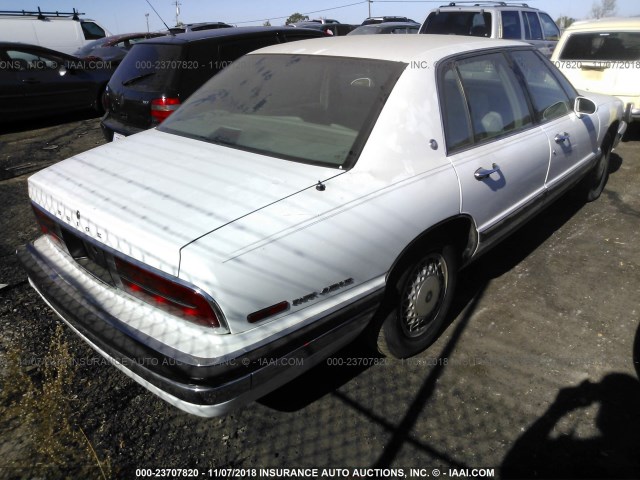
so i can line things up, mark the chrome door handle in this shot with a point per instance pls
(482, 173)
(561, 137)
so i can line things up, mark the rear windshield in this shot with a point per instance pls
(310, 109)
(148, 67)
(602, 46)
(477, 24)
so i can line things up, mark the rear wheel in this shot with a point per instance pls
(417, 303)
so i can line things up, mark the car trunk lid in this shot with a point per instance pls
(151, 194)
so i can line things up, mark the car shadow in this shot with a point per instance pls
(633, 132)
(551, 449)
(48, 121)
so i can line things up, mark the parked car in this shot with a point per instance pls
(328, 28)
(307, 193)
(376, 20)
(113, 49)
(196, 27)
(495, 20)
(60, 31)
(159, 74)
(37, 82)
(603, 56)
(390, 27)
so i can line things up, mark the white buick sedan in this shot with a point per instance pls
(308, 192)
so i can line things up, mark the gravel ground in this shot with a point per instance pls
(534, 377)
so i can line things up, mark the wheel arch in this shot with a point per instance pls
(460, 232)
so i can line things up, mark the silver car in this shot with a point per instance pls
(308, 192)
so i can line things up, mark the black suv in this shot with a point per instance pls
(157, 75)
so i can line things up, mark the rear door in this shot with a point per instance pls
(500, 156)
(11, 91)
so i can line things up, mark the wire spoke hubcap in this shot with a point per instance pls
(422, 298)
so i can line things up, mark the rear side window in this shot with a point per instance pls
(494, 100)
(532, 27)
(511, 27)
(549, 27)
(458, 23)
(149, 67)
(457, 128)
(230, 51)
(92, 31)
(550, 100)
(602, 46)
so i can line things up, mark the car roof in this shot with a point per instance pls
(199, 35)
(403, 48)
(128, 36)
(610, 23)
(463, 6)
(391, 25)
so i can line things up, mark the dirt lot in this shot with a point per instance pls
(534, 377)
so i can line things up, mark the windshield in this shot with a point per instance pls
(602, 46)
(310, 109)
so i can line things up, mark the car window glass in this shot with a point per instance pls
(310, 109)
(149, 67)
(230, 51)
(457, 129)
(458, 23)
(532, 28)
(92, 31)
(496, 101)
(547, 94)
(602, 46)
(33, 61)
(549, 27)
(511, 27)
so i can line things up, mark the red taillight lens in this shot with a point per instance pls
(47, 225)
(161, 108)
(166, 294)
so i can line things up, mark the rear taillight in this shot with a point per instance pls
(166, 294)
(47, 225)
(161, 108)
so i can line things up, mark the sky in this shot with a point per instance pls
(123, 16)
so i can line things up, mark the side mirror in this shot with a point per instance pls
(584, 106)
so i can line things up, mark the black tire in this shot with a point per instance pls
(593, 184)
(98, 104)
(417, 303)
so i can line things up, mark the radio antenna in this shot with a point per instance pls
(156, 12)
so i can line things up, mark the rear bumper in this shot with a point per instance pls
(204, 390)
(109, 125)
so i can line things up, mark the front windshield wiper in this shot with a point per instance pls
(137, 78)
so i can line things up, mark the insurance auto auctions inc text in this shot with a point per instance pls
(350, 473)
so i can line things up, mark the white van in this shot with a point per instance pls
(62, 31)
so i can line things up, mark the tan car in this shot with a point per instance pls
(603, 56)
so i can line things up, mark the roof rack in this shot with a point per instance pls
(475, 3)
(75, 15)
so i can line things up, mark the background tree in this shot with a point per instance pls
(564, 22)
(266, 24)
(296, 17)
(606, 8)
